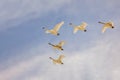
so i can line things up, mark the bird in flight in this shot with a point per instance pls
(59, 60)
(106, 25)
(81, 27)
(55, 30)
(58, 46)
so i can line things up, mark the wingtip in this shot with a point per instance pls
(102, 32)
(63, 22)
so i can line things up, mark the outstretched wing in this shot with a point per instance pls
(104, 29)
(75, 30)
(57, 26)
(61, 43)
(83, 25)
(61, 57)
(47, 31)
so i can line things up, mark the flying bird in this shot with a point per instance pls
(58, 46)
(81, 27)
(59, 60)
(106, 25)
(55, 30)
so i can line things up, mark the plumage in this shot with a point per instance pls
(58, 46)
(106, 25)
(59, 60)
(81, 27)
(55, 30)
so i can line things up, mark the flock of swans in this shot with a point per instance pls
(82, 27)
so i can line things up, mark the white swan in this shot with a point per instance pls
(106, 25)
(59, 60)
(55, 30)
(81, 27)
(58, 46)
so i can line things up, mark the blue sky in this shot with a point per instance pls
(24, 49)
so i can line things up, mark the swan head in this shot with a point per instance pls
(85, 30)
(62, 63)
(112, 26)
(58, 34)
(62, 49)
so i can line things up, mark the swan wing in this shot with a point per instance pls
(57, 26)
(61, 43)
(83, 25)
(47, 31)
(75, 30)
(104, 29)
(61, 57)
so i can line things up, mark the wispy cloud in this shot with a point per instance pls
(98, 62)
(101, 61)
(16, 11)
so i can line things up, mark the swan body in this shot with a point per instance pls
(55, 30)
(106, 25)
(59, 60)
(58, 46)
(81, 27)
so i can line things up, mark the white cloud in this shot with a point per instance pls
(100, 62)
(18, 68)
(13, 12)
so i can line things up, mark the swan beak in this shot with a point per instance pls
(112, 26)
(85, 30)
(58, 34)
(62, 63)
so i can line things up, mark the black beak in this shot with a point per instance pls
(85, 30)
(112, 26)
(58, 34)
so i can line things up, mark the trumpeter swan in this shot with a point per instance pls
(59, 60)
(106, 25)
(55, 30)
(58, 46)
(81, 27)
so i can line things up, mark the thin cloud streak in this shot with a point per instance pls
(15, 12)
(98, 62)
(19, 11)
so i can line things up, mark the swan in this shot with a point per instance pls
(81, 27)
(58, 46)
(59, 60)
(55, 30)
(106, 25)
